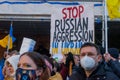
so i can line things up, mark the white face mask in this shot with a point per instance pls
(87, 63)
(119, 61)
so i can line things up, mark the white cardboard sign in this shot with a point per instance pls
(27, 45)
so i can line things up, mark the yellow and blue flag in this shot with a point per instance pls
(11, 34)
(8, 40)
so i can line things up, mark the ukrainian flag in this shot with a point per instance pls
(8, 40)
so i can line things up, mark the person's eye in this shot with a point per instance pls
(27, 65)
(90, 54)
(82, 54)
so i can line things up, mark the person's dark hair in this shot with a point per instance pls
(114, 52)
(43, 51)
(69, 59)
(91, 45)
(37, 59)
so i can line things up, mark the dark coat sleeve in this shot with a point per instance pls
(111, 76)
(75, 76)
(115, 66)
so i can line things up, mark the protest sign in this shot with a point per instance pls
(27, 45)
(71, 26)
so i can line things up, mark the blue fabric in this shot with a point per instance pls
(1, 75)
(1, 66)
(11, 33)
(2, 62)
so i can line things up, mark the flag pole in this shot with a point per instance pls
(9, 39)
(106, 27)
(103, 26)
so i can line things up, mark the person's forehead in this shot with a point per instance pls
(88, 49)
(76, 56)
(26, 59)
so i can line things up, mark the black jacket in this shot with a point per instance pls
(115, 66)
(103, 72)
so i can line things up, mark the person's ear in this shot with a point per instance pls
(99, 58)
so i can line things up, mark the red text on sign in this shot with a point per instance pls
(72, 12)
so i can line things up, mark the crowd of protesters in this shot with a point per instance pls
(91, 64)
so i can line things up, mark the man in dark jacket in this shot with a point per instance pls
(112, 60)
(92, 65)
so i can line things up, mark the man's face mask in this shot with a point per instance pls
(24, 74)
(87, 63)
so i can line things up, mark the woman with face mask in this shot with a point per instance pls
(31, 66)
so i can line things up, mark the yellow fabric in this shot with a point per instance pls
(9, 78)
(113, 8)
(4, 42)
(57, 76)
(70, 68)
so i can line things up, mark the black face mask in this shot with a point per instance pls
(25, 74)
